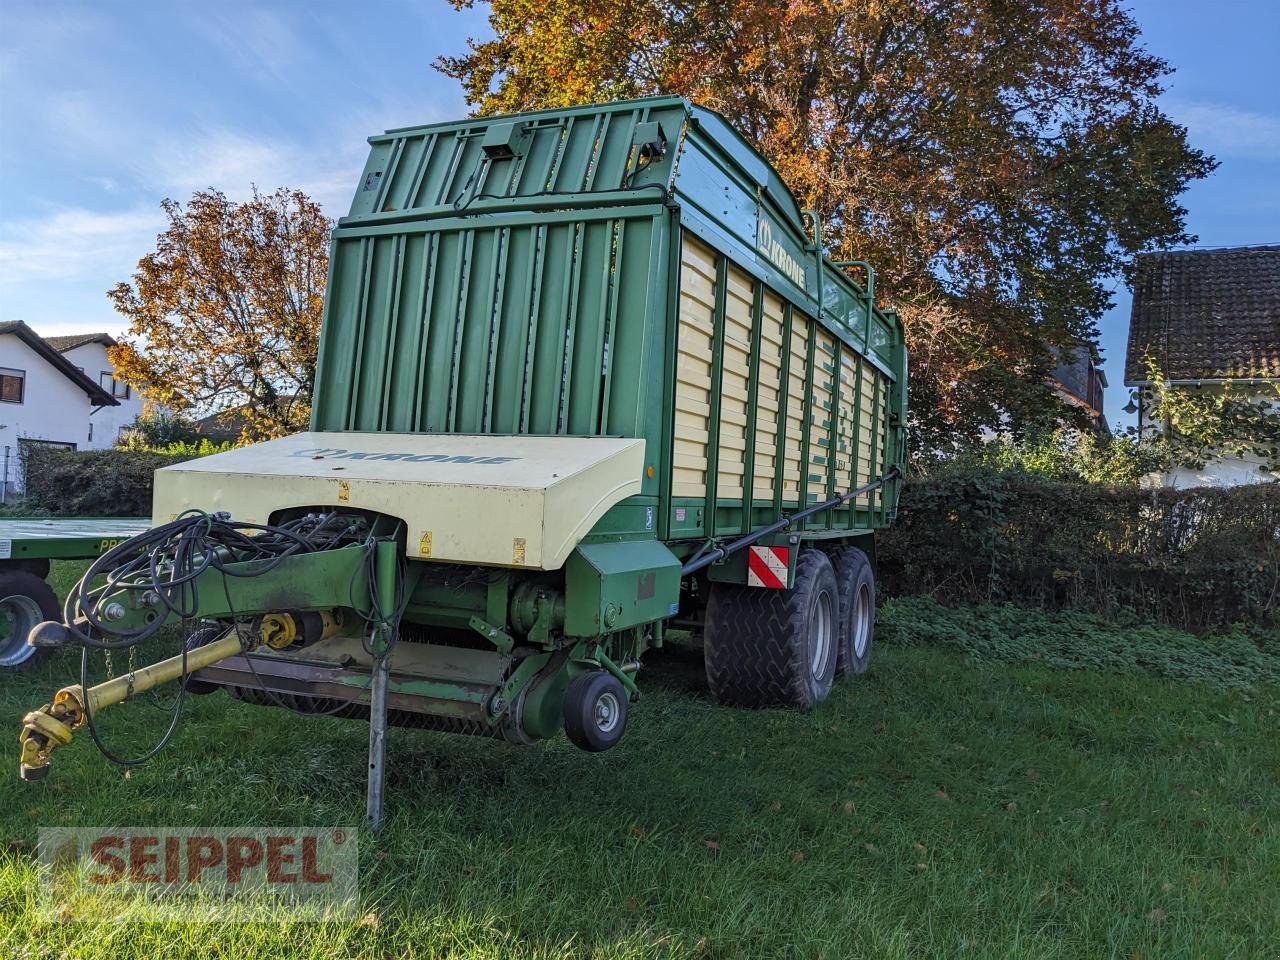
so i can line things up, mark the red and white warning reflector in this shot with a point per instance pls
(767, 567)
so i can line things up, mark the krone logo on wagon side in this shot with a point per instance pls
(779, 255)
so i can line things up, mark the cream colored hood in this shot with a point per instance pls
(514, 501)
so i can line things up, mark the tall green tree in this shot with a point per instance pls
(225, 313)
(1000, 161)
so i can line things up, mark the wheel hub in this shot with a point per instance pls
(18, 614)
(820, 635)
(861, 620)
(607, 712)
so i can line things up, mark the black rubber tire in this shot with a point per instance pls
(585, 696)
(199, 638)
(756, 643)
(15, 652)
(854, 576)
(37, 566)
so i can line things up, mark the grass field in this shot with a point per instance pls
(937, 807)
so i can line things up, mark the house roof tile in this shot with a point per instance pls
(71, 341)
(60, 363)
(1206, 314)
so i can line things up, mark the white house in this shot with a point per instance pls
(88, 351)
(1210, 321)
(45, 398)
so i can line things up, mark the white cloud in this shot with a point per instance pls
(174, 160)
(74, 243)
(233, 162)
(1228, 131)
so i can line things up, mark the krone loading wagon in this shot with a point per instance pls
(585, 376)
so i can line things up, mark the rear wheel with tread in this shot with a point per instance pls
(767, 647)
(856, 584)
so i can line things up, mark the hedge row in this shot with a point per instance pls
(93, 483)
(1193, 558)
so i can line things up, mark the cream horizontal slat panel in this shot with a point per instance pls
(795, 425)
(872, 421)
(768, 396)
(848, 395)
(820, 422)
(735, 383)
(693, 368)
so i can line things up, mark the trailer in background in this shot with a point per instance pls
(27, 546)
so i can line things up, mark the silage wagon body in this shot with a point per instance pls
(529, 276)
(583, 374)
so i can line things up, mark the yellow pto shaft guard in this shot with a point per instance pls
(52, 726)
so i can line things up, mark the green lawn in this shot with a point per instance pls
(936, 807)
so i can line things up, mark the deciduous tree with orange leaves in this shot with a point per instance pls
(225, 313)
(1000, 161)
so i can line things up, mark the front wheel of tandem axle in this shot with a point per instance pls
(774, 648)
(25, 600)
(595, 711)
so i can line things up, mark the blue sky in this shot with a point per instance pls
(107, 107)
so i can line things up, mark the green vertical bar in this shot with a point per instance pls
(459, 326)
(424, 333)
(509, 375)
(717, 384)
(428, 152)
(451, 169)
(598, 296)
(834, 437)
(670, 326)
(388, 174)
(547, 350)
(753, 390)
(500, 257)
(535, 308)
(780, 443)
(552, 169)
(857, 436)
(558, 158)
(366, 253)
(392, 325)
(600, 137)
(325, 363)
(570, 328)
(607, 358)
(807, 419)
(876, 471)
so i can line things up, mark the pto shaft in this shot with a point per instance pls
(51, 726)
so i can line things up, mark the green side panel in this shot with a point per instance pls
(519, 275)
(612, 586)
(579, 150)
(540, 327)
(505, 276)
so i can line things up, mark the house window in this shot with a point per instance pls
(26, 443)
(117, 388)
(12, 385)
